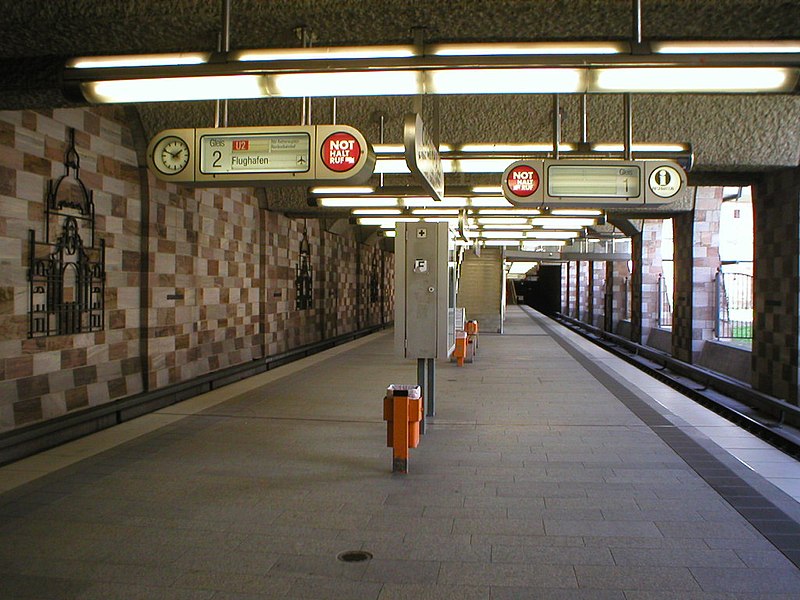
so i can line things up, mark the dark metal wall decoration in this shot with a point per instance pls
(374, 278)
(303, 281)
(66, 277)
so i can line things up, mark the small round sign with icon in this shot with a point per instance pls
(341, 152)
(522, 181)
(664, 181)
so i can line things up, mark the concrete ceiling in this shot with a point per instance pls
(728, 132)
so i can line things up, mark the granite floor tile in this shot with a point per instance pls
(636, 578)
(496, 574)
(533, 481)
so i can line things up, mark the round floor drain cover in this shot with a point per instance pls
(354, 556)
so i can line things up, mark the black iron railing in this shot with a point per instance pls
(734, 306)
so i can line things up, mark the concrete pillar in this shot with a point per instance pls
(776, 206)
(705, 264)
(696, 263)
(598, 270)
(636, 289)
(590, 306)
(584, 270)
(565, 291)
(576, 307)
(682, 233)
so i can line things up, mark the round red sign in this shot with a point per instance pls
(340, 152)
(522, 181)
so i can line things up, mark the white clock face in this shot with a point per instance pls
(171, 155)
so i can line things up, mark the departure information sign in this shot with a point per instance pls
(591, 181)
(259, 153)
(595, 183)
(255, 156)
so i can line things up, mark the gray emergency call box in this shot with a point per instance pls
(421, 290)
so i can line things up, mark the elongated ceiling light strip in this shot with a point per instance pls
(693, 79)
(529, 49)
(727, 47)
(139, 60)
(325, 53)
(471, 81)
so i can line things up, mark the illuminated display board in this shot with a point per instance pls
(592, 181)
(259, 153)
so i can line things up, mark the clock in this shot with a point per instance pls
(171, 155)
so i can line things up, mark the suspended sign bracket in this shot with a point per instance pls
(245, 156)
(422, 156)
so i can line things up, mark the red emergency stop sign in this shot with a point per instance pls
(522, 181)
(340, 152)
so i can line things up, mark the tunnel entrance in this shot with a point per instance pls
(543, 291)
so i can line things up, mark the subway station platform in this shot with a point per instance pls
(552, 470)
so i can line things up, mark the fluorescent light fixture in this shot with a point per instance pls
(390, 233)
(385, 222)
(614, 147)
(551, 235)
(476, 165)
(508, 212)
(726, 47)
(435, 211)
(391, 166)
(449, 220)
(505, 81)
(175, 89)
(428, 202)
(376, 211)
(508, 235)
(401, 149)
(527, 49)
(503, 220)
(357, 202)
(323, 53)
(578, 212)
(563, 222)
(521, 148)
(138, 60)
(490, 202)
(342, 190)
(519, 227)
(497, 243)
(487, 189)
(693, 79)
(345, 83)
(388, 148)
(535, 245)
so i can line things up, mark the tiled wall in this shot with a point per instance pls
(218, 283)
(706, 263)
(584, 289)
(697, 259)
(775, 331)
(43, 377)
(598, 292)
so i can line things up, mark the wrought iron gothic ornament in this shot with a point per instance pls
(374, 278)
(303, 281)
(66, 278)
